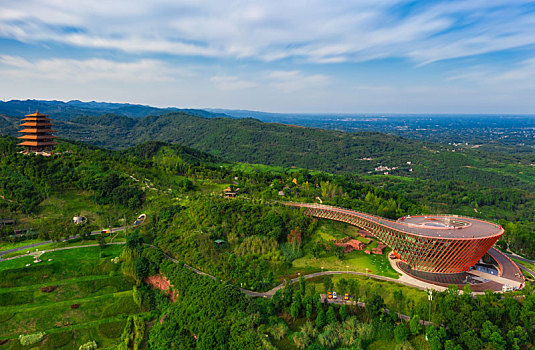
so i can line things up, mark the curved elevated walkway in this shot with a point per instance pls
(432, 243)
(508, 269)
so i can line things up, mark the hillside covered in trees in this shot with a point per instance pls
(180, 189)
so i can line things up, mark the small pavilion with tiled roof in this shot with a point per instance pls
(37, 133)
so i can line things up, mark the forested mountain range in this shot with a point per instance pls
(495, 182)
(180, 189)
(60, 110)
(252, 141)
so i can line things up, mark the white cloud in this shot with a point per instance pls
(290, 81)
(273, 55)
(94, 69)
(231, 83)
(314, 30)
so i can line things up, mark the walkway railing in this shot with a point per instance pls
(424, 252)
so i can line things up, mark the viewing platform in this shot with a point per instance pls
(445, 244)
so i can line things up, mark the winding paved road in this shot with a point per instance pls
(518, 257)
(29, 246)
(531, 272)
(271, 292)
(522, 267)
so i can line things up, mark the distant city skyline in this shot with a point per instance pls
(381, 56)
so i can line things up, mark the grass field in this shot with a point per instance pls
(79, 203)
(525, 264)
(90, 300)
(8, 245)
(353, 261)
(61, 207)
(417, 342)
(117, 237)
(385, 289)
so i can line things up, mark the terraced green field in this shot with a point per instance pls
(77, 297)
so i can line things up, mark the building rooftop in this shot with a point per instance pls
(36, 114)
(435, 226)
(440, 226)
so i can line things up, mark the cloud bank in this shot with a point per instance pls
(348, 56)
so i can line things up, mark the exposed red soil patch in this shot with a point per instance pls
(161, 283)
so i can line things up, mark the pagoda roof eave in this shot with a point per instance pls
(36, 119)
(37, 131)
(36, 114)
(37, 143)
(37, 137)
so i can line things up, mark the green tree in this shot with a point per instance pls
(497, 341)
(301, 340)
(414, 325)
(320, 319)
(279, 330)
(342, 286)
(331, 315)
(134, 241)
(343, 312)
(401, 333)
(375, 306)
(294, 310)
(141, 266)
(302, 285)
(317, 249)
(101, 242)
(136, 294)
(308, 307)
(327, 283)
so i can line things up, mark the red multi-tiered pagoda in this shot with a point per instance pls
(37, 133)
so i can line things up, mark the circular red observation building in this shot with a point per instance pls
(431, 243)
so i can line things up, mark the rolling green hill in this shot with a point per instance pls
(119, 126)
(72, 109)
(264, 243)
(252, 141)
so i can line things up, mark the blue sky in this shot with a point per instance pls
(380, 56)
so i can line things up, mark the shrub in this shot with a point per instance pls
(117, 284)
(88, 346)
(29, 339)
(128, 336)
(6, 317)
(139, 327)
(133, 333)
(291, 251)
(136, 294)
(57, 340)
(48, 289)
(122, 305)
(16, 298)
(401, 333)
(414, 325)
(111, 330)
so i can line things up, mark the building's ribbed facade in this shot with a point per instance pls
(432, 245)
